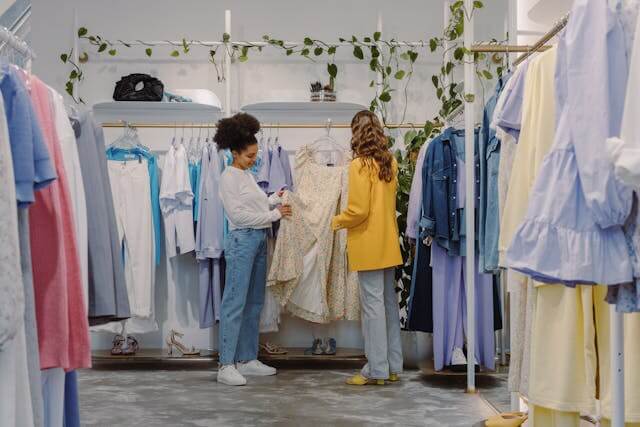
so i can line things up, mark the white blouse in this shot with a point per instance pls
(245, 203)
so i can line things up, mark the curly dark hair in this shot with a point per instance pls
(236, 133)
(371, 145)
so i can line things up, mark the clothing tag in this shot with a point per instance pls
(130, 156)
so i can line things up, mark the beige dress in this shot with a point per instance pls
(308, 273)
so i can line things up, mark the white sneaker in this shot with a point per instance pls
(458, 357)
(229, 375)
(256, 368)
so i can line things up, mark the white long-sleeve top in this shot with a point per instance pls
(245, 204)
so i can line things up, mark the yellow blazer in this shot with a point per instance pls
(370, 219)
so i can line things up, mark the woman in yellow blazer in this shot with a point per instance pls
(373, 247)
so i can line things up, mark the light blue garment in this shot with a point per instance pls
(210, 284)
(209, 231)
(194, 179)
(510, 117)
(488, 209)
(286, 167)
(245, 285)
(263, 173)
(32, 166)
(573, 232)
(277, 180)
(120, 154)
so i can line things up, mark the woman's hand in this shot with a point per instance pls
(280, 193)
(285, 210)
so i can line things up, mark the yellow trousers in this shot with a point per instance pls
(570, 355)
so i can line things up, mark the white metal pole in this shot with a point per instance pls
(447, 43)
(379, 74)
(470, 185)
(617, 367)
(76, 53)
(227, 66)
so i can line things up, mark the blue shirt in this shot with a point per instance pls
(32, 166)
(120, 154)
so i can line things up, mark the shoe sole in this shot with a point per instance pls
(251, 374)
(230, 384)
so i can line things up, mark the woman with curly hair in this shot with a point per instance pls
(373, 247)
(249, 213)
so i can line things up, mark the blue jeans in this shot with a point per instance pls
(246, 278)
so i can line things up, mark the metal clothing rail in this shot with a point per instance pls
(544, 39)
(507, 48)
(263, 126)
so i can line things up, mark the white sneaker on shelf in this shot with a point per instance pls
(256, 368)
(458, 357)
(229, 375)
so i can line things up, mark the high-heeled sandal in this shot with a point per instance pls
(172, 342)
(273, 349)
(507, 419)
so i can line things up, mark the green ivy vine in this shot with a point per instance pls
(393, 62)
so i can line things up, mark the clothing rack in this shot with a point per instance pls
(544, 39)
(617, 319)
(262, 125)
(16, 43)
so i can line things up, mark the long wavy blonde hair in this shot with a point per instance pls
(371, 145)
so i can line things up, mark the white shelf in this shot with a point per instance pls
(303, 112)
(155, 112)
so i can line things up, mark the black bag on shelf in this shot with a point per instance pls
(152, 89)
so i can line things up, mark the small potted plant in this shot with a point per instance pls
(329, 94)
(316, 90)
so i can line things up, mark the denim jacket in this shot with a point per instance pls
(442, 218)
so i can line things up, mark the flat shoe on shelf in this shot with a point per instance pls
(507, 419)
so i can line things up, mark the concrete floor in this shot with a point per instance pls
(292, 398)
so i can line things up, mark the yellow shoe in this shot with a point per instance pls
(358, 379)
(507, 419)
(394, 378)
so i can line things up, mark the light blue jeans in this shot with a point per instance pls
(246, 279)
(380, 323)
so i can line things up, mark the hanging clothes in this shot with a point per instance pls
(72, 166)
(286, 167)
(176, 202)
(16, 406)
(209, 237)
(584, 221)
(301, 282)
(108, 298)
(415, 196)
(63, 331)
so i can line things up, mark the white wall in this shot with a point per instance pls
(267, 76)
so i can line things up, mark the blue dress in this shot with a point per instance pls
(573, 231)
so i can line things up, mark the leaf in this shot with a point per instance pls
(377, 35)
(212, 53)
(341, 40)
(304, 52)
(458, 54)
(388, 70)
(73, 74)
(448, 68)
(373, 64)
(69, 88)
(457, 5)
(308, 41)
(435, 81)
(478, 4)
(357, 52)
(372, 83)
(243, 58)
(64, 57)
(82, 31)
(459, 28)
(226, 37)
(433, 44)
(469, 97)
(331, 50)
(367, 39)
(439, 93)
(413, 55)
(404, 56)
(318, 51)
(400, 74)
(354, 39)
(149, 52)
(102, 47)
(83, 58)
(385, 97)
(92, 38)
(175, 54)
(112, 52)
(375, 52)
(487, 75)
(266, 38)
(185, 46)
(289, 52)
(333, 70)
